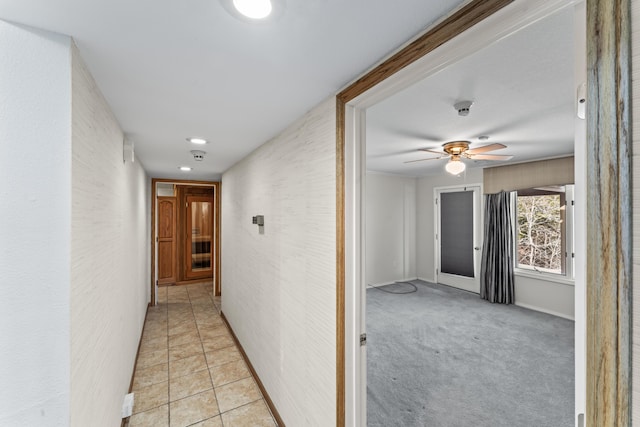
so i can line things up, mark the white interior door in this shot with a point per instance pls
(459, 236)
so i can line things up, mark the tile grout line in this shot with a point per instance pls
(243, 405)
(208, 368)
(199, 327)
(207, 362)
(168, 366)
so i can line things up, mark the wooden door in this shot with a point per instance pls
(199, 242)
(166, 240)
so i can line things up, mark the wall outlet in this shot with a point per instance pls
(127, 405)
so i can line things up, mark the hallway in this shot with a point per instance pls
(190, 371)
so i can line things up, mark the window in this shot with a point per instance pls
(544, 230)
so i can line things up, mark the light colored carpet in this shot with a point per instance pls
(443, 357)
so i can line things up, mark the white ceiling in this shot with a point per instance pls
(174, 69)
(524, 97)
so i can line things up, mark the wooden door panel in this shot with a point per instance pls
(166, 240)
(166, 218)
(165, 266)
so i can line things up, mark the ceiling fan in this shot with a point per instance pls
(457, 150)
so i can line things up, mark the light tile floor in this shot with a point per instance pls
(189, 371)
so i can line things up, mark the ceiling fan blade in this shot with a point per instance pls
(488, 157)
(422, 160)
(486, 148)
(433, 151)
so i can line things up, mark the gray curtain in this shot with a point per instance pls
(496, 275)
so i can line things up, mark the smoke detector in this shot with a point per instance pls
(198, 155)
(463, 107)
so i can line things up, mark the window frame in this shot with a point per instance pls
(568, 234)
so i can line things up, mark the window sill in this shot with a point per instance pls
(547, 277)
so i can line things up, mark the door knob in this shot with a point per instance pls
(477, 248)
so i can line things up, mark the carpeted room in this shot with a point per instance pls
(442, 356)
(438, 355)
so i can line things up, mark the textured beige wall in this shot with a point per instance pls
(110, 257)
(279, 287)
(528, 175)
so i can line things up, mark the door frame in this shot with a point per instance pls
(608, 237)
(216, 209)
(478, 222)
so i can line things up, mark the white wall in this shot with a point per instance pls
(110, 257)
(549, 297)
(279, 287)
(546, 296)
(390, 228)
(35, 225)
(74, 240)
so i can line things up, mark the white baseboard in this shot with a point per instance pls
(544, 310)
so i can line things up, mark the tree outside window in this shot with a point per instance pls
(541, 229)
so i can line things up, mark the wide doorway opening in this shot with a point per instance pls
(398, 156)
(185, 234)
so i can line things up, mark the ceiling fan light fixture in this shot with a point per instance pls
(455, 166)
(254, 9)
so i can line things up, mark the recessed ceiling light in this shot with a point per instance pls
(185, 168)
(197, 140)
(254, 9)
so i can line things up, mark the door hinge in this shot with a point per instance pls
(156, 239)
(363, 339)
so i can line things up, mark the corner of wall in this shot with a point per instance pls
(35, 169)
(110, 256)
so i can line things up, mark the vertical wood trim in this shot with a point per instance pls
(217, 198)
(462, 19)
(609, 212)
(153, 241)
(340, 267)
